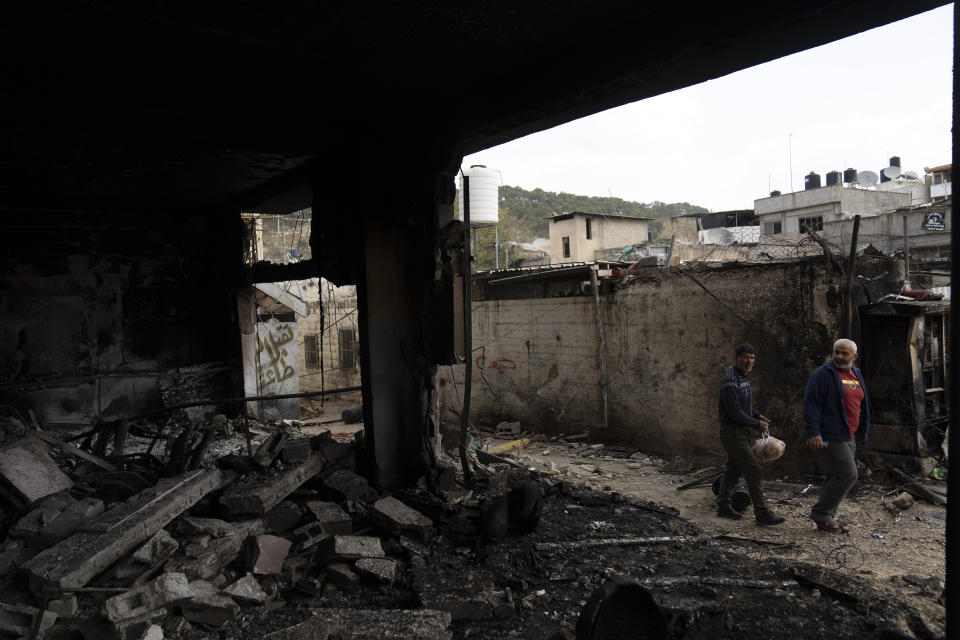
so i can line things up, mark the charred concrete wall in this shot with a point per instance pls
(669, 340)
(110, 315)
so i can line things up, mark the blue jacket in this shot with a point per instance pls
(824, 413)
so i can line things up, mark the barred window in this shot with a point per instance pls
(814, 224)
(311, 352)
(348, 348)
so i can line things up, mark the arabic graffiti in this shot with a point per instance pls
(272, 355)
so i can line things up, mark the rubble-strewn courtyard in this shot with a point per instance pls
(270, 532)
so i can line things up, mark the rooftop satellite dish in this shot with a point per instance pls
(911, 175)
(720, 236)
(892, 172)
(867, 179)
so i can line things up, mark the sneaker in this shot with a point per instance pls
(729, 512)
(768, 518)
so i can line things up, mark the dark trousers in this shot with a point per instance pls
(839, 461)
(737, 441)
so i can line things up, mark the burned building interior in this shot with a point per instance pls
(136, 134)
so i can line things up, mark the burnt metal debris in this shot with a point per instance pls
(184, 531)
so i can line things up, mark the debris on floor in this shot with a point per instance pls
(254, 531)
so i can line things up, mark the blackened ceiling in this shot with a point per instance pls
(171, 106)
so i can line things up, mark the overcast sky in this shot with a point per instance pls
(721, 144)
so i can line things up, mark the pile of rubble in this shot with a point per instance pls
(269, 533)
(135, 547)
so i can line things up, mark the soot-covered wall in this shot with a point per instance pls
(110, 315)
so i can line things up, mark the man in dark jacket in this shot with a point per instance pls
(836, 415)
(740, 426)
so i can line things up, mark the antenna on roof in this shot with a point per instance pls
(867, 179)
(721, 236)
(891, 172)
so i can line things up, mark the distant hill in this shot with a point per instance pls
(523, 213)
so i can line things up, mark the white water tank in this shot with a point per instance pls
(484, 196)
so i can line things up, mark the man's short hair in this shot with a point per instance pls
(847, 341)
(743, 348)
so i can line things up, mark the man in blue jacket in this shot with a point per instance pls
(836, 415)
(740, 426)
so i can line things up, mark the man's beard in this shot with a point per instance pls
(845, 367)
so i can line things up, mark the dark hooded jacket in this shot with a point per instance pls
(824, 413)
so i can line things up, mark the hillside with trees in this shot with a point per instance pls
(523, 216)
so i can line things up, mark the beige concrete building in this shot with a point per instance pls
(328, 351)
(578, 236)
(785, 213)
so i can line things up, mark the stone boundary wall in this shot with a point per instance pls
(668, 343)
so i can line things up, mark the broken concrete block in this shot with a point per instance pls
(64, 606)
(154, 632)
(144, 560)
(270, 449)
(362, 624)
(379, 569)
(257, 498)
(331, 517)
(470, 605)
(169, 588)
(296, 451)
(217, 555)
(396, 517)
(265, 554)
(157, 549)
(336, 548)
(247, 591)
(55, 518)
(212, 610)
(338, 455)
(508, 429)
(213, 527)
(347, 485)
(343, 577)
(19, 620)
(313, 628)
(137, 630)
(76, 560)
(308, 535)
(30, 472)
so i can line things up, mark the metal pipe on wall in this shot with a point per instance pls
(467, 335)
(906, 256)
(603, 342)
(851, 265)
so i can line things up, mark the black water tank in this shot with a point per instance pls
(895, 161)
(883, 176)
(850, 175)
(833, 178)
(811, 181)
(774, 193)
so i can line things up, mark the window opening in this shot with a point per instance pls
(814, 224)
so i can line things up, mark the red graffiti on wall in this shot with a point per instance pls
(503, 364)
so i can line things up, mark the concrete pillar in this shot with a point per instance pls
(391, 296)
